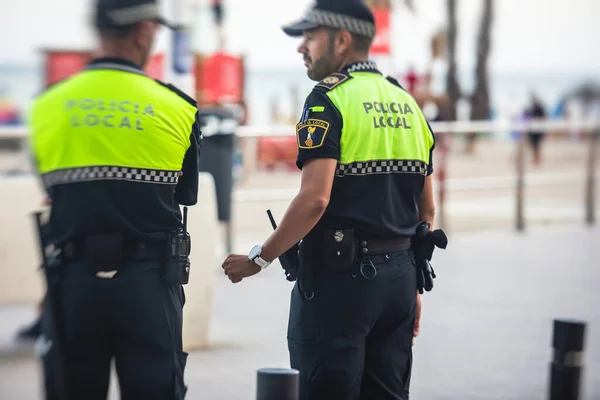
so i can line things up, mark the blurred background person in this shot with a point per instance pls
(219, 123)
(535, 111)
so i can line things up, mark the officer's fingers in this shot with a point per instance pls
(234, 276)
(231, 271)
(180, 173)
(227, 262)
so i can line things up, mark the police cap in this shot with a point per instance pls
(351, 15)
(122, 13)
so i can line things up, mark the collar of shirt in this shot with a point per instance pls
(361, 66)
(115, 63)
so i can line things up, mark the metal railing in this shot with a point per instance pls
(589, 128)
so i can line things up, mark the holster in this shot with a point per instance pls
(54, 360)
(423, 244)
(306, 271)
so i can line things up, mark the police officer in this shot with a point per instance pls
(118, 153)
(219, 126)
(365, 151)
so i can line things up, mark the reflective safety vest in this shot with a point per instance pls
(383, 145)
(131, 126)
(110, 144)
(383, 129)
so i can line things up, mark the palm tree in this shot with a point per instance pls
(481, 96)
(452, 85)
(480, 100)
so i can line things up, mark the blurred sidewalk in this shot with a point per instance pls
(486, 329)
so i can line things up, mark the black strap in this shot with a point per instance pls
(131, 251)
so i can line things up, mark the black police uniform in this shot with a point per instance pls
(110, 144)
(352, 311)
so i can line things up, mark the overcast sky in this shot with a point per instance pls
(528, 34)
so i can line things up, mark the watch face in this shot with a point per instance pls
(255, 252)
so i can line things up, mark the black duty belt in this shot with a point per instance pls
(81, 249)
(375, 246)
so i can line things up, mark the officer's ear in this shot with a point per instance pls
(343, 42)
(144, 34)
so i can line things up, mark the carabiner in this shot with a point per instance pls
(368, 266)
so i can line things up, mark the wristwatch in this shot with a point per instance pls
(254, 256)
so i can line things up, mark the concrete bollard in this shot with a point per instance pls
(277, 384)
(23, 283)
(566, 365)
(203, 225)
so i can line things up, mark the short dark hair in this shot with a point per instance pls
(120, 32)
(362, 44)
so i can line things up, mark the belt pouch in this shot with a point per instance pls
(339, 249)
(103, 252)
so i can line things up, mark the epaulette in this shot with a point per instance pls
(50, 86)
(395, 82)
(179, 92)
(332, 81)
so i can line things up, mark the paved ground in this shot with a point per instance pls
(486, 326)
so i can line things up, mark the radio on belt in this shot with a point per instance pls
(177, 271)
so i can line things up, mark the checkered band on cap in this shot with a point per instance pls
(341, 21)
(382, 167)
(134, 14)
(98, 173)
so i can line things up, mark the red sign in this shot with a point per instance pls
(219, 77)
(381, 43)
(155, 67)
(64, 64)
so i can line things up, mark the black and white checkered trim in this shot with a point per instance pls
(134, 14)
(99, 173)
(341, 21)
(362, 66)
(382, 167)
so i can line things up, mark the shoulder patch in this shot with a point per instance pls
(333, 80)
(311, 134)
(179, 92)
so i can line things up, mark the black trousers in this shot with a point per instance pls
(353, 339)
(134, 319)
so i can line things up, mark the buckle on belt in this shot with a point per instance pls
(367, 269)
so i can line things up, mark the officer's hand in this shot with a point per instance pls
(238, 267)
(417, 327)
